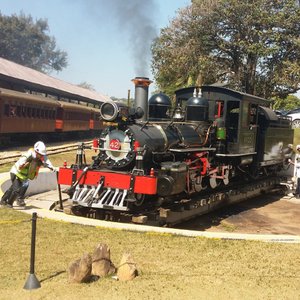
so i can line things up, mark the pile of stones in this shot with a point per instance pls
(92, 267)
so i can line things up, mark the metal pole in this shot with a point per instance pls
(33, 237)
(128, 98)
(32, 282)
(61, 207)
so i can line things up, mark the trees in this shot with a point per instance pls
(253, 46)
(27, 43)
(86, 85)
(291, 102)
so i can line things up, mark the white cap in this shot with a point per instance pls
(40, 148)
(297, 147)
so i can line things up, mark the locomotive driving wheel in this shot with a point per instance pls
(214, 182)
(226, 177)
(139, 199)
(197, 182)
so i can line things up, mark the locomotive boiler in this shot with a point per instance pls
(154, 154)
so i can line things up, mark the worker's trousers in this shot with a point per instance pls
(17, 189)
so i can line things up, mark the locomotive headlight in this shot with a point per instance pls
(111, 111)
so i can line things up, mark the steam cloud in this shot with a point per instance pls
(136, 20)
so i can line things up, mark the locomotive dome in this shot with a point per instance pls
(197, 108)
(159, 104)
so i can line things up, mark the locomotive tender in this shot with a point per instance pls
(153, 155)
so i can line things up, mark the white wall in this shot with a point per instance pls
(46, 181)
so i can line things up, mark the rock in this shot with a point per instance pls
(101, 263)
(139, 219)
(80, 270)
(127, 269)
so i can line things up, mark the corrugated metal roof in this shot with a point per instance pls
(33, 77)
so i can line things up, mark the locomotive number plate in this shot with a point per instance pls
(115, 144)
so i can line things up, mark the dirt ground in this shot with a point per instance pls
(267, 214)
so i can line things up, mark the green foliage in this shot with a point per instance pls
(289, 103)
(86, 85)
(27, 43)
(253, 46)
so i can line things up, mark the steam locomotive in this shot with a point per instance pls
(155, 155)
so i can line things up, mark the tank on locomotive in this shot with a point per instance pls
(159, 107)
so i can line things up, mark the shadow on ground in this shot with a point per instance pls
(266, 214)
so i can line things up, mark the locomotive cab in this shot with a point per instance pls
(235, 116)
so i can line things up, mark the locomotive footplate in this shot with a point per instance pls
(206, 203)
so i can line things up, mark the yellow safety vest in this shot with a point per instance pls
(31, 170)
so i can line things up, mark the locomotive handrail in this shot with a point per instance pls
(235, 154)
(192, 149)
(108, 149)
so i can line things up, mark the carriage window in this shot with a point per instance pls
(6, 110)
(23, 111)
(219, 109)
(29, 111)
(53, 114)
(17, 111)
(33, 112)
(13, 111)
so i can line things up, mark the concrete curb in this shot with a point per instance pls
(59, 216)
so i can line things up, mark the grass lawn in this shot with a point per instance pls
(170, 267)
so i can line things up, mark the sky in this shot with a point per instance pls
(107, 41)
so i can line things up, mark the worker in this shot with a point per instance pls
(297, 171)
(25, 169)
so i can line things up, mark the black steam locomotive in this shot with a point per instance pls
(154, 154)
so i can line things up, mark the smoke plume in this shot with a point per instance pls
(135, 19)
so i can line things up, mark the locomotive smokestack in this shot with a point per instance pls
(141, 95)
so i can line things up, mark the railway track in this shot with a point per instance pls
(9, 157)
(185, 209)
